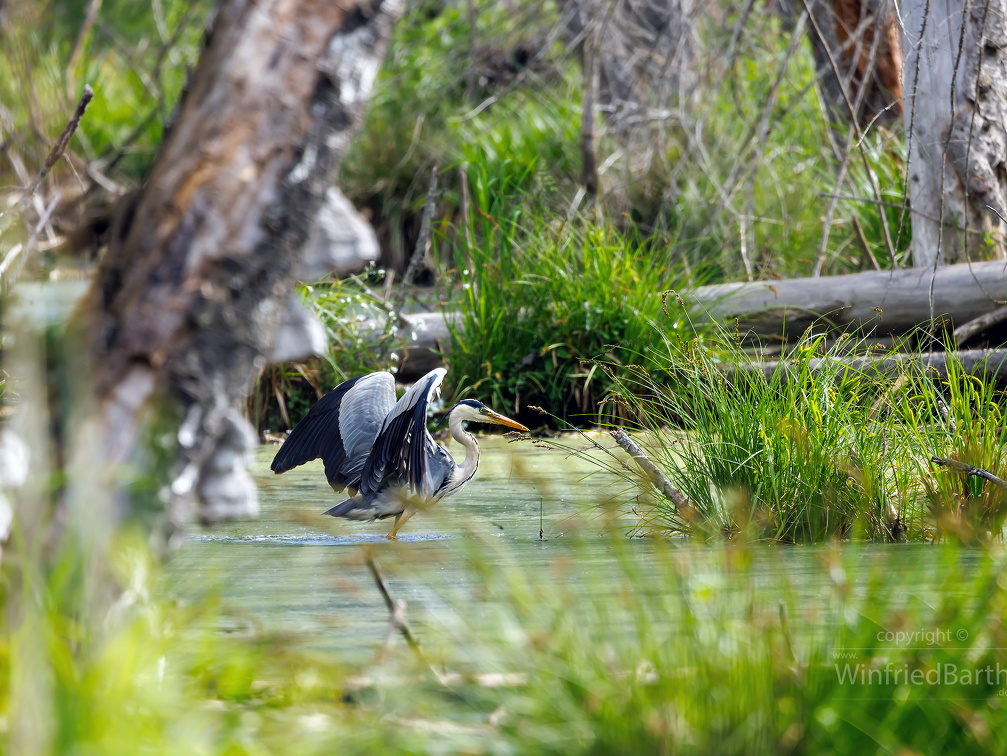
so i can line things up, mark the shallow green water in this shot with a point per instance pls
(296, 571)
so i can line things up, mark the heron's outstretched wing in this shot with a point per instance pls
(403, 446)
(340, 428)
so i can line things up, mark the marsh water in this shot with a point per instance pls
(297, 572)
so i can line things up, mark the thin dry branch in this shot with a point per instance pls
(396, 608)
(15, 257)
(60, 147)
(966, 331)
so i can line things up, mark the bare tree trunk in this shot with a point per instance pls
(185, 306)
(956, 122)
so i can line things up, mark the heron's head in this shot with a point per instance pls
(476, 412)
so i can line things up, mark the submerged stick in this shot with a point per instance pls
(966, 331)
(968, 469)
(396, 609)
(397, 622)
(657, 478)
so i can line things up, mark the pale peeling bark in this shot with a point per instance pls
(187, 302)
(876, 302)
(956, 125)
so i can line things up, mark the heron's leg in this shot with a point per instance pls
(400, 520)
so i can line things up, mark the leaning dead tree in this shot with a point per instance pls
(857, 47)
(185, 307)
(956, 126)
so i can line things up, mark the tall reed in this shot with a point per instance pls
(821, 447)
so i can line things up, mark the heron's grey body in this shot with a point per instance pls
(380, 450)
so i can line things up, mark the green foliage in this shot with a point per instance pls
(959, 417)
(665, 649)
(818, 448)
(678, 651)
(134, 56)
(540, 299)
(421, 114)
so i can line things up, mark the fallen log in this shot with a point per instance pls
(872, 304)
(885, 302)
(988, 362)
(968, 469)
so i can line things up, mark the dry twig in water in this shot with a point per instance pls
(396, 609)
(656, 477)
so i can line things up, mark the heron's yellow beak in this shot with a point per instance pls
(496, 417)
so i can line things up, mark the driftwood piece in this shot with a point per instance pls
(968, 469)
(891, 302)
(966, 331)
(653, 473)
(990, 362)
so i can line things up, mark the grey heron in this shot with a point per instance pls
(380, 450)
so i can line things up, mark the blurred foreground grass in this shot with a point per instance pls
(666, 647)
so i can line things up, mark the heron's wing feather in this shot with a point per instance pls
(364, 410)
(340, 429)
(403, 445)
(439, 469)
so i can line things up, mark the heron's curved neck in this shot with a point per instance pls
(470, 464)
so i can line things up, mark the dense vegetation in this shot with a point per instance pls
(669, 650)
(819, 449)
(677, 647)
(531, 256)
(737, 184)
